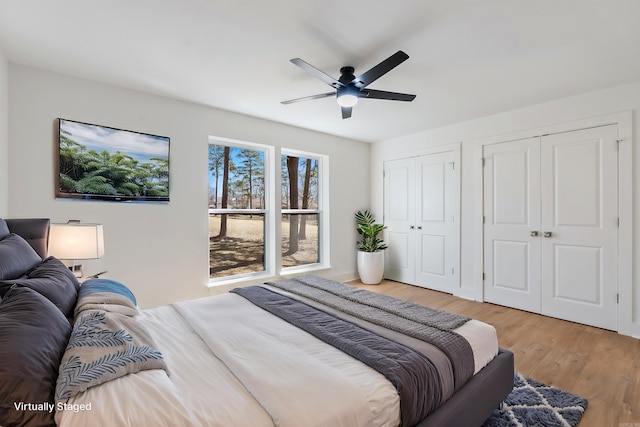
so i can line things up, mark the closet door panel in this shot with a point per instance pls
(579, 215)
(399, 217)
(398, 259)
(432, 191)
(581, 284)
(512, 224)
(432, 259)
(438, 241)
(511, 266)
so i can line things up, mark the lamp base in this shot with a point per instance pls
(76, 269)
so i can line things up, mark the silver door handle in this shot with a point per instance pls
(419, 227)
(411, 227)
(533, 233)
(547, 234)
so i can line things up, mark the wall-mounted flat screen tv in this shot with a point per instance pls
(104, 163)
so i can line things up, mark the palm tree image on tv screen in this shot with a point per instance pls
(98, 162)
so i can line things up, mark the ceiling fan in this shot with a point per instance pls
(350, 88)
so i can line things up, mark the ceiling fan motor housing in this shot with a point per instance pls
(346, 75)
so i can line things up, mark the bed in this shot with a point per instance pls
(304, 351)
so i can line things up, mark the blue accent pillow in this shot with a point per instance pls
(105, 285)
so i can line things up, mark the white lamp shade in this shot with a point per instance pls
(76, 241)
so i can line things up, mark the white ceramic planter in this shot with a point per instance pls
(371, 267)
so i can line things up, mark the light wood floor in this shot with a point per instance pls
(602, 366)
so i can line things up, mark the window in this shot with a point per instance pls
(300, 210)
(245, 206)
(237, 210)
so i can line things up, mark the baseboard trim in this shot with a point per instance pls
(635, 330)
(344, 277)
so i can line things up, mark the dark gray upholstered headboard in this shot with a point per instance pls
(33, 230)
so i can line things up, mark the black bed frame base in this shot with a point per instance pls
(473, 403)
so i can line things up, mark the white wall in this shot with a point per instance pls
(600, 103)
(160, 250)
(4, 136)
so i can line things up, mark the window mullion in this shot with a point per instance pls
(275, 232)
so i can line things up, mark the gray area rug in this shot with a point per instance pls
(532, 403)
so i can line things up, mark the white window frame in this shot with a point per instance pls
(273, 213)
(322, 211)
(268, 211)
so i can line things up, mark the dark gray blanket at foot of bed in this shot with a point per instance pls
(413, 375)
(414, 320)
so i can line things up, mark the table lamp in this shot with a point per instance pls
(75, 241)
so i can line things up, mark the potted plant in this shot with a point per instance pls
(370, 248)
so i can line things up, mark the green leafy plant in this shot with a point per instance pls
(369, 230)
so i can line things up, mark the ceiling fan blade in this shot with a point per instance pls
(317, 73)
(383, 94)
(309, 98)
(381, 69)
(346, 112)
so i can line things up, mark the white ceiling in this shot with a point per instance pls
(468, 58)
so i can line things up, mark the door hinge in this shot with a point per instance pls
(483, 276)
(484, 219)
(618, 298)
(452, 271)
(483, 162)
(618, 222)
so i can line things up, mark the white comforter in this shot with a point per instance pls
(232, 364)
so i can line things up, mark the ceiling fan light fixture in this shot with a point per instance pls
(347, 100)
(347, 97)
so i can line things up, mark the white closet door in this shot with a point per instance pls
(421, 212)
(399, 217)
(436, 233)
(579, 217)
(512, 224)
